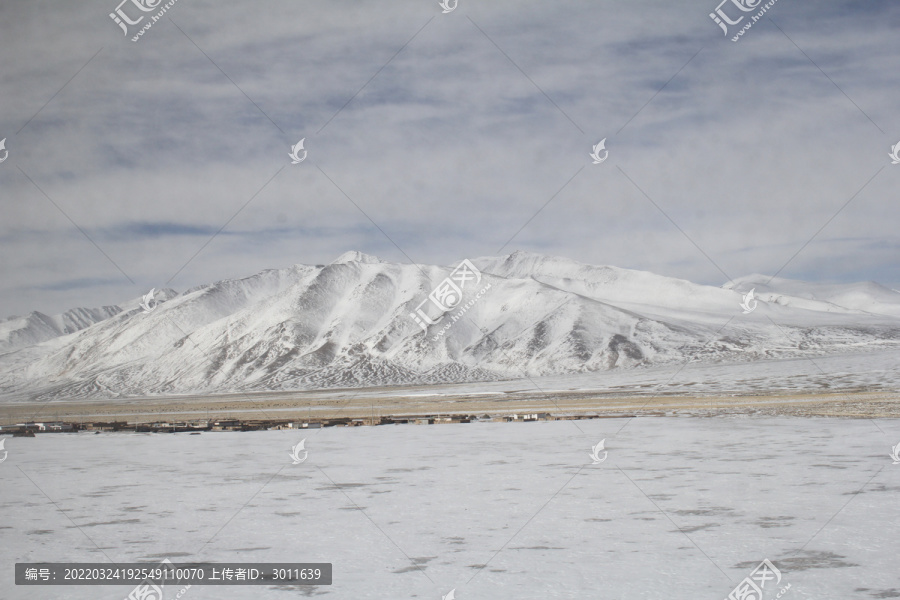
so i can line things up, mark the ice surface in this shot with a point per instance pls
(682, 507)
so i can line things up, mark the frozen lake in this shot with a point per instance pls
(681, 507)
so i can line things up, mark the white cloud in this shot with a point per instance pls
(450, 149)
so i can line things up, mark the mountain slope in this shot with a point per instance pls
(866, 296)
(36, 327)
(349, 323)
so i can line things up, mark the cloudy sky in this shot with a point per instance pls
(434, 137)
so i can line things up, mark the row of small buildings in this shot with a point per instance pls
(38, 426)
(29, 428)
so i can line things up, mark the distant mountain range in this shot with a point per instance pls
(350, 323)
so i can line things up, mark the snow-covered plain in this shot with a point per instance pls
(681, 508)
(876, 370)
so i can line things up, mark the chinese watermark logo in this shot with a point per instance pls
(450, 596)
(123, 20)
(6, 152)
(148, 304)
(146, 590)
(895, 153)
(296, 450)
(596, 153)
(748, 588)
(448, 6)
(750, 303)
(448, 295)
(295, 153)
(723, 20)
(6, 453)
(595, 452)
(895, 454)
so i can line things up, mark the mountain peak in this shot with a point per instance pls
(355, 256)
(363, 326)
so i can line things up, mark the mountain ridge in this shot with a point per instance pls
(353, 322)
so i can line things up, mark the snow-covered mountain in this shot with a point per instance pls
(350, 323)
(36, 327)
(866, 296)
